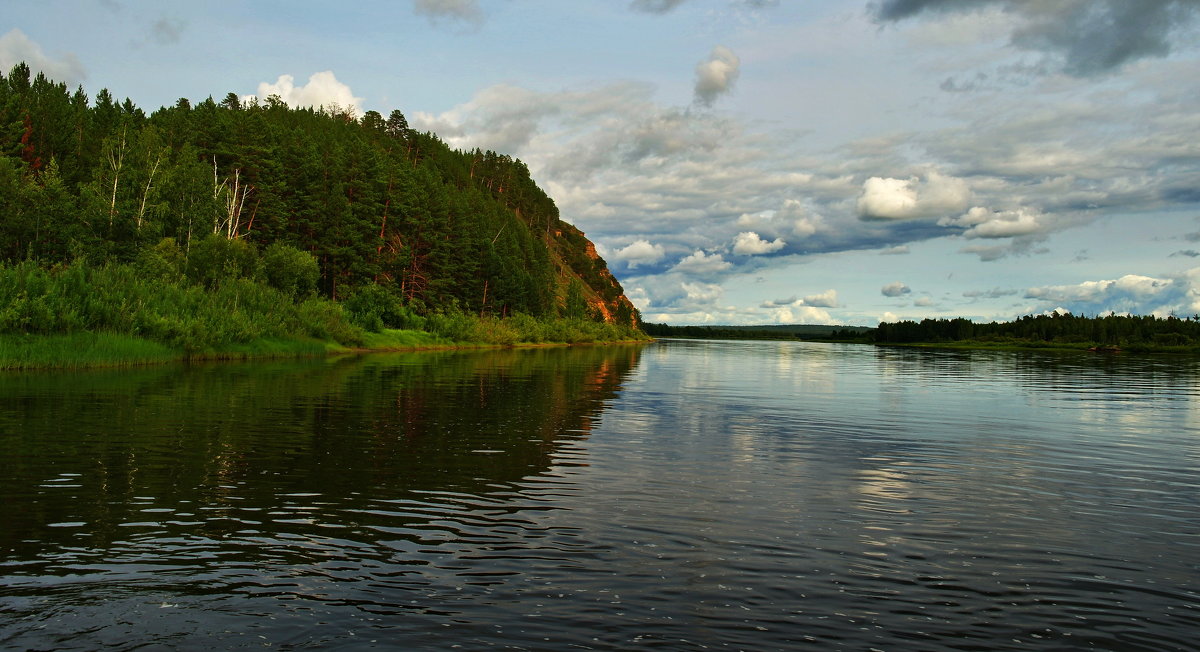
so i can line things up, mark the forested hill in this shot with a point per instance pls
(372, 200)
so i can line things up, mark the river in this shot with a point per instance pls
(679, 495)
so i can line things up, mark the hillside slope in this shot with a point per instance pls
(374, 202)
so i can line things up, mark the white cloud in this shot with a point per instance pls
(889, 317)
(793, 218)
(923, 302)
(802, 315)
(716, 75)
(1092, 291)
(639, 252)
(896, 289)
(748, 243)
(1132, 293)
(322, 90)
(703, 292)
(639, 298)
(982, 223)
(896, 199)
(898, 250)
(701, 263)
(16, 47)
(826, 299)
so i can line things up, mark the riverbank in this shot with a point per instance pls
(115, 315)
(96, 350)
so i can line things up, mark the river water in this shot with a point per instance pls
(679, 495)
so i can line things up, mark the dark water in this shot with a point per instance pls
(684, 495)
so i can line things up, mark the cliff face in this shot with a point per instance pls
(577, 260)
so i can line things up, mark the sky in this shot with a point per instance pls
(750, 161)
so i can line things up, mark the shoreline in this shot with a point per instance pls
(98, 350)
(978, 345)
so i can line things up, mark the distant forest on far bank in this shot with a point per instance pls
(1059, 330)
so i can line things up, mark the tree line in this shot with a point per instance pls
(1110, 330)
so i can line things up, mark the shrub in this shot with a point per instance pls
(217, 258)
(290, 270)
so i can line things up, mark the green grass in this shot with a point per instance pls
(79, 350)
(391, 339)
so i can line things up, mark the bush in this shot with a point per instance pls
(290, 270)
(165, 260)
(374, 307)
(216, 258)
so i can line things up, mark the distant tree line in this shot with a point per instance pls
(770, 332)
(1055, 328)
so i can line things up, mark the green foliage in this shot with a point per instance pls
(122, 299)
(217, 259)
(192, 193)
(165, 261)
(370, 199)
(374, 307)
(290, 270)
(575, 306)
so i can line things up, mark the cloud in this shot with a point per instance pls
(922, 302)
(705, 293)
(802, 315)
(896, 289)
(322, 90)
(716, 75)
(1190, 253)
(467, 11)
(979, 222)
(1132, 293)
(898, 250)
(702, 264)
(792, 218)
(639, 252)
(16, 47)
(748, 243)
(994, 293)
(167, 31)
(896, 199)
(826, 299)
(1019, 246)
(1086, 37)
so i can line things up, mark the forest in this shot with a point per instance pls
(1057, 330)
(316, 211)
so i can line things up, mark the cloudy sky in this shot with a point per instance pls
(751, 161)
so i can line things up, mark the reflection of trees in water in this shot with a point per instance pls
(1038, 370)
(106, 448)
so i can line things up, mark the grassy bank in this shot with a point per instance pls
(130, 314)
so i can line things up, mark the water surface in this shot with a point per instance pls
(685, 495)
